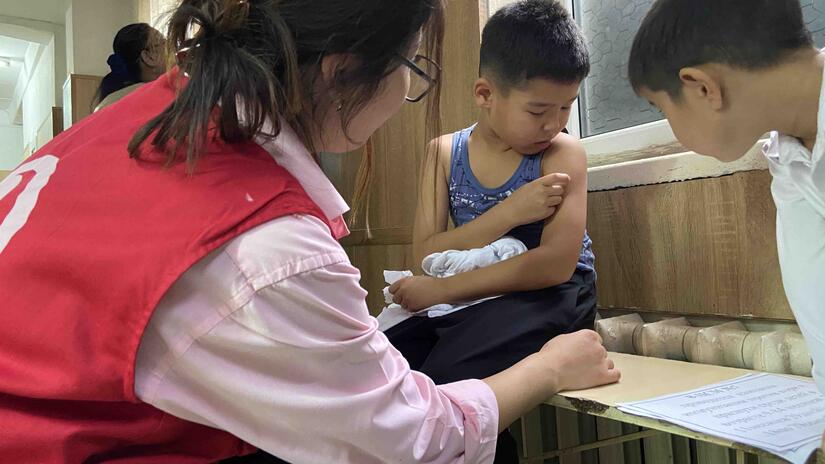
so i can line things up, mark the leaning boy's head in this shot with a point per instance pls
(698, 61)
(533, 59)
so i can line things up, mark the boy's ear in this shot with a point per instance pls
(483, 92)
(700, 85)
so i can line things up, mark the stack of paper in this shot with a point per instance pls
(782, 415)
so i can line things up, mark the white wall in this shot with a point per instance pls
(495, 5)
(69, 48)
(160, 11)
(11, 146)
(40, 10)
(68, 36)
(91, 26)
(38, 95)
(38, 33)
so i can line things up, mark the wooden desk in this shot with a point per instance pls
(644, 378)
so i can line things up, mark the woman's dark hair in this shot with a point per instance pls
(129, 43)
(253, 61)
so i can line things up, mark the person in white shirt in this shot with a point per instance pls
(726, 72)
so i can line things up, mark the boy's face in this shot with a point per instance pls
(528, 117)
(706, 120)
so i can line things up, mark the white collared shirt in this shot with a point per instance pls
(799, 193)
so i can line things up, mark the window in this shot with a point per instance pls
(609, 117)
(814, 11)
(607, 101)
(160, 11)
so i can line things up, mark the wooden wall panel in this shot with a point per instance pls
(79, 92)
(704, 246)
(57, 120)
(398, 150)
(461, 48)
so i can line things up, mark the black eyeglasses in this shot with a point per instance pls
(425, 75)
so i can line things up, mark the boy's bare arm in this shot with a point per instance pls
(550, 264)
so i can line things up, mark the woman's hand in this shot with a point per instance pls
(579, 361)
(419, 292)
(568, 362)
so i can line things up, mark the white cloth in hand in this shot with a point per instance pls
(451, 262)
(446, 264)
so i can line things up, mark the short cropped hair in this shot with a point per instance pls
(533, 39)
(746, 34)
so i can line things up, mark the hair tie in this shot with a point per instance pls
(118, 66)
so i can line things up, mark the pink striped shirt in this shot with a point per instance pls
(270, 339)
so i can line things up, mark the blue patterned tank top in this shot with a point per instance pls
(469, 199)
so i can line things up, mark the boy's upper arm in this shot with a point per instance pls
(564, 231)
(432, 212)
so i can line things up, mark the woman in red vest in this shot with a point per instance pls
(172, 286)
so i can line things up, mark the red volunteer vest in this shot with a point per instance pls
(90, 240)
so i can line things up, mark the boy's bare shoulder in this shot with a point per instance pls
(444, 145)
(566, 153)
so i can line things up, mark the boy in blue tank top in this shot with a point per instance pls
(516, 173)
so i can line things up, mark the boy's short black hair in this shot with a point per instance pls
(747, 34)
(533, 38)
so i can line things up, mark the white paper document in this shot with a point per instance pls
(783, 415)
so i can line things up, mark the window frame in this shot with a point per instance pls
(629, 139)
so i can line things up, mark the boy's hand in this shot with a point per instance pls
(418, 292)
(537, 200)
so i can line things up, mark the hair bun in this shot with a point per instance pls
(118, 65)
